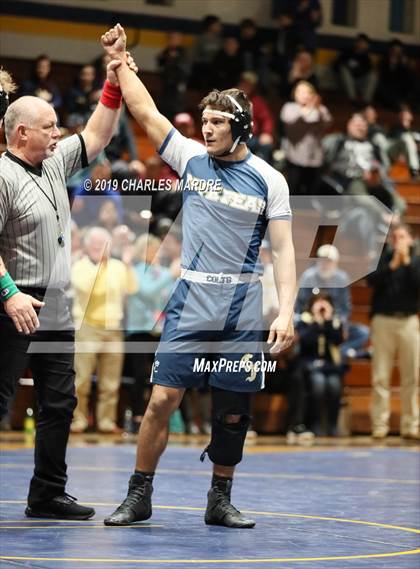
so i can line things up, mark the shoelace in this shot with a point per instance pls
(69, 498)
(225, 505)
(135, 493)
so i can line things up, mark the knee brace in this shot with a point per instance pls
(227, 438)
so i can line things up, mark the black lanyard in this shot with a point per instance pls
(53, 203)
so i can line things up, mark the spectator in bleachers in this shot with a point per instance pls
(208, 45)
(285, 44)
(100, 286)
(174, 69)
(184, 122)
(108, 215)
(227, 64)
(326, 277)
(122, 239)
(395, 333)
(41, 84)
(320, 333)
(401, 140)
(145, 315)
(377, 135)
(407, 140)
(250, 45)
(261, 143)
(302, 69)
(396, 83)
(307, 18)
(354, 167)
(304, 122)
(82, 98)
(357, 72)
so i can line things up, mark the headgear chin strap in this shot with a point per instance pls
(240, 123)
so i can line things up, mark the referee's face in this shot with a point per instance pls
(43, 135)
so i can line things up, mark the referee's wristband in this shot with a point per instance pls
(7, 287)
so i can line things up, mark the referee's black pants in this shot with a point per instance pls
(52, 366)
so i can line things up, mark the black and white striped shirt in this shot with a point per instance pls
(29, 229)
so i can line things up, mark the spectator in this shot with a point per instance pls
(396, 79)
(377, 135)
(307, 18)
(208, 45)
(406, 140)
(395, 333)
(184, 122)
(261, 143)
(320, 334)
(41, 84)
(285, 44)
(100, 286)
(82, 98)
(402, 139)
(326, 277)
(145, 315)
(354, 168)
(304, 122)
(174, 69)
(227, 64)
(302, 70)
(108, 215)
(357, 72)
(122, 239)
(249, 44)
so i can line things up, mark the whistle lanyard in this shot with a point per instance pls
(53, 203)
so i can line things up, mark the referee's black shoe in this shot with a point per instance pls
(62, 507)
(137, 507)
(220, 511)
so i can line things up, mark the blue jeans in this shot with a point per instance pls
(358, 335)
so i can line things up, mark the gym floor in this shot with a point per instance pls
(340, 504)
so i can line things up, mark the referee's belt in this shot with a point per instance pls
(218, 278)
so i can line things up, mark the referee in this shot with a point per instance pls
(34, 271)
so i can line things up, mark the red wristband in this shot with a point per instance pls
(111, 96)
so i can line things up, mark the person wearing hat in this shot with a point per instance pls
(325, 276)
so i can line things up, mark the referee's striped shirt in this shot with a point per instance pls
(28, 225)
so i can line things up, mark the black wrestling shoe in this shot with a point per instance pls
(62, 507)
(137, 507)
(220, 511)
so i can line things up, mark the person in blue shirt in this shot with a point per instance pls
(213, 326)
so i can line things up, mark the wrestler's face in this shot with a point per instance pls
(217, 133)
(43, 134)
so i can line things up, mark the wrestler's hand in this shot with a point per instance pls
(114, 42)
(115, 63)
(281, 333)
(20, 308)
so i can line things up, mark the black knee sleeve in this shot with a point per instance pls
(227, 439)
